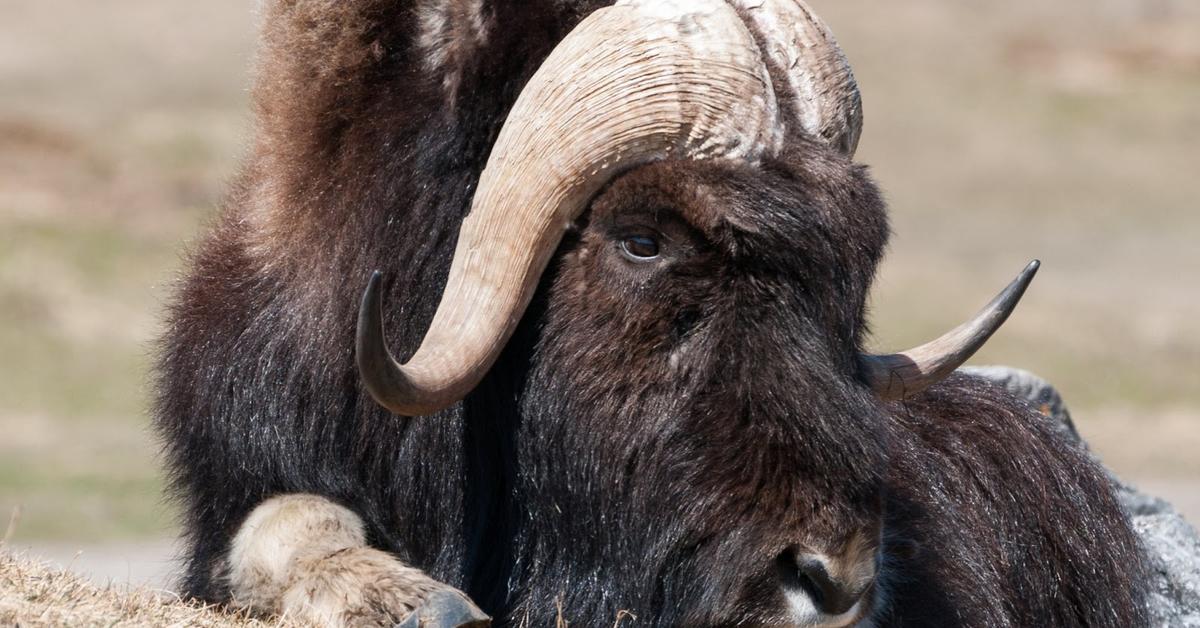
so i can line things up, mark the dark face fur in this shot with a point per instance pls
(699, 352)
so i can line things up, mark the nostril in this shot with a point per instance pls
(813, 578)
(810, 574)
(828, 595)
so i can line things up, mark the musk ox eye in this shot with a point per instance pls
(640, 248)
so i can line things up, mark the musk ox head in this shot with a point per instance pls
(701, 436)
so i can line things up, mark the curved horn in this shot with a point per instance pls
(815, 71)
(633, 83)
(907, 373)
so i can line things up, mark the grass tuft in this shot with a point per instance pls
(34, 594)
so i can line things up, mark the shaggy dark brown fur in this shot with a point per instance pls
(656, 436)
(986, 494)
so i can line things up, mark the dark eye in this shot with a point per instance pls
(640, 248)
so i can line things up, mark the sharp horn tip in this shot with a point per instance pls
(376, 367)
(1025, 278)
(370, 296)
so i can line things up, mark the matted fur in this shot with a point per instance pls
(654, 437)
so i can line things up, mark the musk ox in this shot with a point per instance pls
(624, 253)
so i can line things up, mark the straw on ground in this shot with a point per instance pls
(34, 594)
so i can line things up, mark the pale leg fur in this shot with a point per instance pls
(305, 557)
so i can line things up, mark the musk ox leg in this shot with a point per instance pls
(305, 557)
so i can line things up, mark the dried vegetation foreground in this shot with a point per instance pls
(33, 594)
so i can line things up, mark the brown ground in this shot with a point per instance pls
(1067, 131)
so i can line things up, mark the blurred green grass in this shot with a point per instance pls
(1000, 132)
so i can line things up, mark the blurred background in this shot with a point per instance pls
(1001, 131)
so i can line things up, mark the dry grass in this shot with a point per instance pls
(32, 594)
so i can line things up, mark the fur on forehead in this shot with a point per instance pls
(810, 199)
